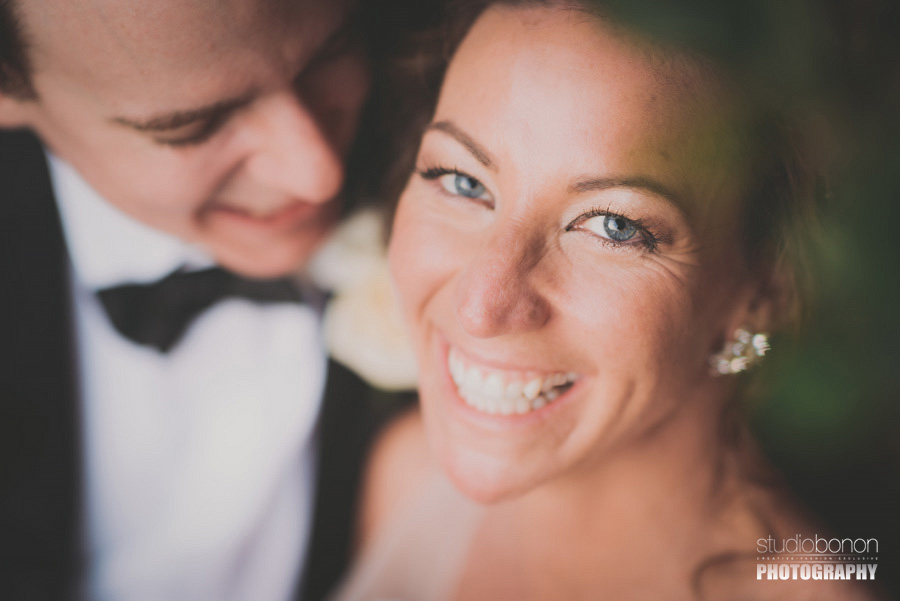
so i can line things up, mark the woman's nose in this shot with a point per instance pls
(292, 153)
(498, 292)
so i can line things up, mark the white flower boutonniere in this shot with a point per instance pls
(362, 323)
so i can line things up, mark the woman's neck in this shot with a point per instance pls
(661, 492)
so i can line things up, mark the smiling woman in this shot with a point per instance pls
(546, 186)
(588, 248)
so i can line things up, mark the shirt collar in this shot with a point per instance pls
(108, 247)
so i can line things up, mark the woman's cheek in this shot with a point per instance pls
(631, 312)
(419, 254)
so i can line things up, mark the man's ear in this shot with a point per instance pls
(15, 112)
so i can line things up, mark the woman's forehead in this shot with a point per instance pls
(559, 89)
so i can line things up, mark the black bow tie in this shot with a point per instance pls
(158, 314)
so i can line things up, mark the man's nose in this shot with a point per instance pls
(499, 292)
(291, 152)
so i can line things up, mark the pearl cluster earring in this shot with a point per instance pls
(743, 351)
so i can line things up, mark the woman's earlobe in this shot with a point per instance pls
(777, 305)
(769, 305)
(742, 351)
(754, 311)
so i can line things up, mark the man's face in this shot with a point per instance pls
(224, 122)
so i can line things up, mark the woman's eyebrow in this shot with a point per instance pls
(453, 130)
(646, 184)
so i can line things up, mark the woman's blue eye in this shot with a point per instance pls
(619, 228)
(612, 227)
(464, 185)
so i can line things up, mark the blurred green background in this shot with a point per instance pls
(827, 406)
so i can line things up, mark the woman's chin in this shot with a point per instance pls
(484, 478)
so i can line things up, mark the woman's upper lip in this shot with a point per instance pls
(506, 364)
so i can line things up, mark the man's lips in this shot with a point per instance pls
(287, 215)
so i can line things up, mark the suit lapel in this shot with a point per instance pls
(39, 427)
(40, 446)
(352, 412)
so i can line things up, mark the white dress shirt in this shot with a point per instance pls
(199, 464)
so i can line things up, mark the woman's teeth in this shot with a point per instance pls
(505, 393)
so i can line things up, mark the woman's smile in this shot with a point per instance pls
(507, 391)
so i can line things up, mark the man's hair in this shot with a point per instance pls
(15, 71)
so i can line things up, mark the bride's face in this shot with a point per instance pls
(566, 252)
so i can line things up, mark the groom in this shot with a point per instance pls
(167, 461)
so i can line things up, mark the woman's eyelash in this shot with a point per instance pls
(459, 184)
(431, 173)
(648, 239)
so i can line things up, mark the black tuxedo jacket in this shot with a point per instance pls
(41, 537)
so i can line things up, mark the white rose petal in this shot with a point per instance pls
(363, 326)
(364, 330)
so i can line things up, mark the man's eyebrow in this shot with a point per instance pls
(177, 119)
(646, 184)
(477, 151)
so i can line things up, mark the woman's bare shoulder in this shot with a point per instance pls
(399, 464)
